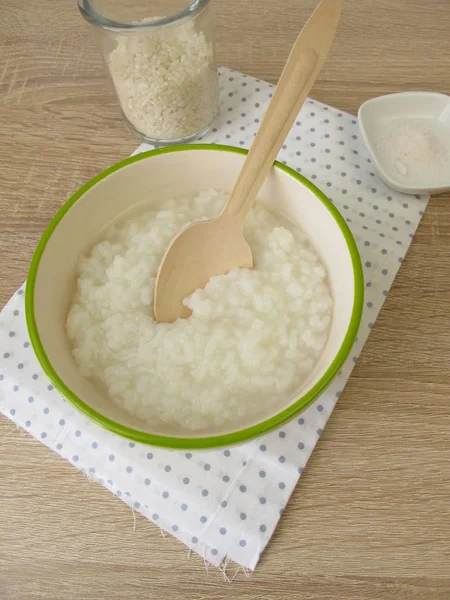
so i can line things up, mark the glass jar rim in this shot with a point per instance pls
(96, 18)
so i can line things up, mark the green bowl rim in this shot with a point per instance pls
(215, 440)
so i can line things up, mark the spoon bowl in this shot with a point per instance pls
(213, 246)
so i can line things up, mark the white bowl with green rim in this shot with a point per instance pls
(150, 177)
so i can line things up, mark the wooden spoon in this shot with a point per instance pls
(213, 247)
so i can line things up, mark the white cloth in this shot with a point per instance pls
(226, 503)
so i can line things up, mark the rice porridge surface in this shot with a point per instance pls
(254, 335)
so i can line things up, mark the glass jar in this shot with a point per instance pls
(161, 59)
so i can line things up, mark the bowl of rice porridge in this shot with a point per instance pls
(260, 345)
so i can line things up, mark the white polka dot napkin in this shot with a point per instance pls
(226, 504)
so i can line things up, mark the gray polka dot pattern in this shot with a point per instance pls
(226, 503)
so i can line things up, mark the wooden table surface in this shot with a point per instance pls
(370, 518)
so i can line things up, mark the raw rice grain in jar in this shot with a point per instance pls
(164, 73)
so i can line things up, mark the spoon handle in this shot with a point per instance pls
(303, 65)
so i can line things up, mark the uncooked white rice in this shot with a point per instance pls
(254, 335)
(166, 80)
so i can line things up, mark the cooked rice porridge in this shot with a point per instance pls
(254, 335)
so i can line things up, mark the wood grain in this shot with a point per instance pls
(370, 518)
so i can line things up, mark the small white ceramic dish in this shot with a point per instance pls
(144, 180)
(376, 117)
